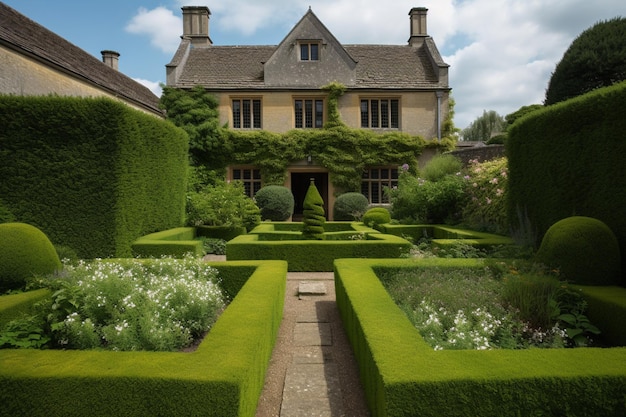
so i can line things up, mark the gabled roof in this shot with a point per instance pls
(243, 67)
(27, 37)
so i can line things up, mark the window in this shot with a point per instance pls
(375, 180)
(309, 113)
(247, 113)
(309, 51)
(251, 179)
(380, 113)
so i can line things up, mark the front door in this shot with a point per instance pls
(300, 184)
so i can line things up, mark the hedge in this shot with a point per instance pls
(568, 159)
(176, 242)
(403, 376)
(315, 255)
(92, 173)
(223, 377)
(443, 236)
(15, 305)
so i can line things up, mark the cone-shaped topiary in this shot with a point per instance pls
(24, 251)
(583, 249)
(313, 214)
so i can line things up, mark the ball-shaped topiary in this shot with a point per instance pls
(313, 214)
(375, 216)
(583, 249)
(24, 251)
(349, 207)
(275, 202)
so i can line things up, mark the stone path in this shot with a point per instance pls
(312, 371)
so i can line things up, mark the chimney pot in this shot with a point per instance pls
(111, 59)
(196, 24)
(418, 25)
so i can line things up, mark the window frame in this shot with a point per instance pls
(313, 50)
(247, 114)
(252, 183)
(309, 112)
(375, 179)
(380, 112)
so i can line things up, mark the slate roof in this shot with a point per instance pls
(27, 37)
(378, 66)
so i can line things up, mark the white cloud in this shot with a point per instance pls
(154, 86)
(160, 25)
(501, 54)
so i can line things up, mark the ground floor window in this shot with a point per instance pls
(250, 177)
(375, 180)
(246, 113)
(308, 113)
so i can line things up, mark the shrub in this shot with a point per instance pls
(375, 216)
(584, 250)
(24, 251)
(5, 214)
(224, 204)
(275, 202)
(313, 212)
(350, 206)
(440, 166)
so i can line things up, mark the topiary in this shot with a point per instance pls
(350, 206)
(24, 251)
(583, 249)
(313, 214)
(375, 216)
(275, 202)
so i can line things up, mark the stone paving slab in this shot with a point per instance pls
(311, 288)
(312, 334)
(314, 391)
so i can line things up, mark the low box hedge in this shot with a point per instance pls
(14, 305)
(403, 376)
(175, 242)
(223, 377)
(442, 235)
(314, 255)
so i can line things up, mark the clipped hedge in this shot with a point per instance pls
(176, 242)
(403, 376)
(222, 378)
(16, 305)
(568, 160)
(91, 173)
(443, 236)
(315, 255)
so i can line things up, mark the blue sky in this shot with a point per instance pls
(501, 53)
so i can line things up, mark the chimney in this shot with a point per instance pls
(418, 26)
(111, 59)
(196, 24)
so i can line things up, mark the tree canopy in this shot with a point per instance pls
(484, 127)
(596, 58)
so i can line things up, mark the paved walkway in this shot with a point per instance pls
(312, 371)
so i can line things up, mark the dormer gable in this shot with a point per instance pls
(309, 57)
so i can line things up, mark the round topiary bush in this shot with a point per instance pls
(349, 207)
(583, 249)
(275, 202)
(375, 216)
(24, 251)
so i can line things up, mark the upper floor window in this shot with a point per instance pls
(309, 51)
(380, 113)
(309, 113)
(246, 113)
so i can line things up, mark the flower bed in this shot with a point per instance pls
(403, 375)
(223, 377)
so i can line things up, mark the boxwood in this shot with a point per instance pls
(403, 376)
(223, 377)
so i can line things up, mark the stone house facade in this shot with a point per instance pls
(278, 88)
(36, 61)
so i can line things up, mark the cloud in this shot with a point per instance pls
(160, 25)
(154, 86)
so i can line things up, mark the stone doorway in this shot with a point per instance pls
(300, 184)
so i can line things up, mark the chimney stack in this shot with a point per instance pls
(111, 59)
(196, 25)
(418, 26)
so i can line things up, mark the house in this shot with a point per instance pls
(278, 88)
(36, 61)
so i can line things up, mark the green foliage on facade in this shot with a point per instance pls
(596, 58)
(334, 90)
(93, 174)
(313, 227)
(568, 159)
(25, 251)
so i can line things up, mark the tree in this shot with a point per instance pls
(596, 58)
(196, 112)
(484, 127)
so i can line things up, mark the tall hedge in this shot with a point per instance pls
(569, 159)
(93, 174)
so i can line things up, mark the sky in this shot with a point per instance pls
(501, 52)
